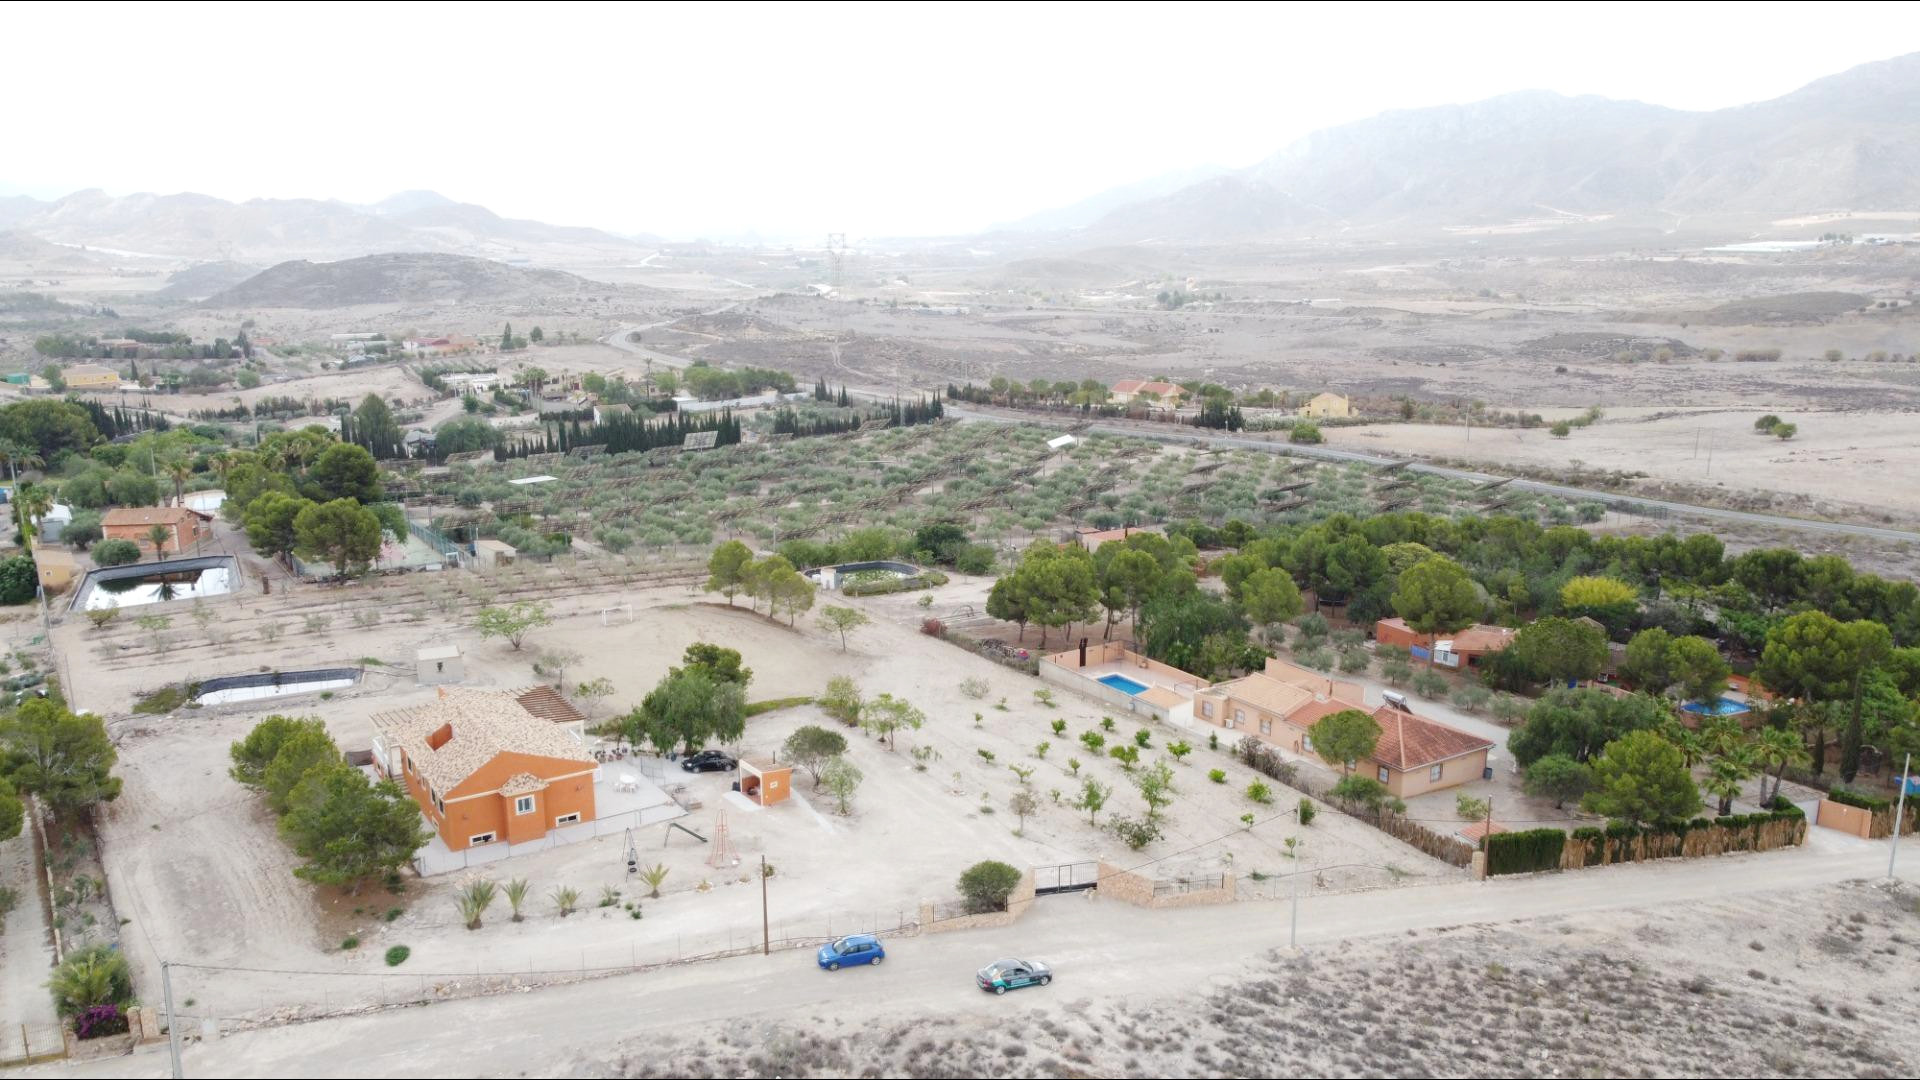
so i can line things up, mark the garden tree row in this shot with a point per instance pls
(944, 543)
(1685, 585)
(62, 759)
(304, 493)
(821, 422)
(347, 828)
(732, 570)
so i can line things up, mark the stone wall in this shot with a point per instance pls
(1131, 888)
(931, 921)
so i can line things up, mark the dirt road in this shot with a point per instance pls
(1102, 950)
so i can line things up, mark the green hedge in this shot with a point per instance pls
(755, 708)
(1860, 799)
(1525, 852)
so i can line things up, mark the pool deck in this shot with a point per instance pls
(1182, 690)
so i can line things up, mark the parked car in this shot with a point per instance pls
(850, 950)
(1004, 975)
(709, 761)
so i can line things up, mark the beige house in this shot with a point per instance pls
(1127, 391)
(1326, 406)
(1281, 704)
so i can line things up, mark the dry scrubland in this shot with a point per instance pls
(1817, 983)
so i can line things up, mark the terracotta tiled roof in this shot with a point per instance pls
(1411, 742)
(522, 784)
(548, 704)
(147, 516)
(483, 724)
(1482, 638)
(1267, 693)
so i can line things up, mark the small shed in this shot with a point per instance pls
(57, 568)
(491, 553)
(438, 665)
(764, 781)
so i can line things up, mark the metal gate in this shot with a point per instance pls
(1065, 878)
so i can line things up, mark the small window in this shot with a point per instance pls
(483, 838)
(1239, 716)
(1266, 726)
(1206, 709)
(1434, 773)
(523, 805)
(1306, 743)
(1383, 774)
(567, 819)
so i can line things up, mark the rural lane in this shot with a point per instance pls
(1101, 949)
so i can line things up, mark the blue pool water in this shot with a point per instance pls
(1722, 707)
(1123, 684)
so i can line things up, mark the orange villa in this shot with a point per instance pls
(1281, 704)
(490, 766)
(185, 528)
(1463, 650)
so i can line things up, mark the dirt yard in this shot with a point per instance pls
(1714, 449)
(196, 867)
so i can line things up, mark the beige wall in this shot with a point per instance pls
(1131, 888)
(1454, 772)
(1017, 904)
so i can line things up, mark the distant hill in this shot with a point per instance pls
(1849, 141)
(22, 249)
(201, 280)
(1079, 215)
(398, 278)
(269, 230)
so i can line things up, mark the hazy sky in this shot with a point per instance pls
(796, 120)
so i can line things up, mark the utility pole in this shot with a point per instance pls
(1900, 811)
(766, 932)
(173, 1022)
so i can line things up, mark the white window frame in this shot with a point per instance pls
(1436, 772)
(478, 839)
(1383, 774)
(1266, 726)
(1306, 743)
(567, 819)
(523, 804)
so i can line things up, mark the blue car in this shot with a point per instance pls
(851, 950)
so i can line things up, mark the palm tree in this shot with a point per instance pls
(31, 502)
(179, 469)
(159, 535)
(1726, 774)
(1776, 749)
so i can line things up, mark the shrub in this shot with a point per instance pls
(1525, 852)
(1429, 684)
(398, 955)
(933, 627)
(1218, 776)
(1307, 811)
(974, 687)
(91, 977)
(985, 886)
(1136, 833)
(1259, 793)
(1306, 433)
(1143, 738)
(115, 553)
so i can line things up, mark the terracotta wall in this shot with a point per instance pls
(1848, 819)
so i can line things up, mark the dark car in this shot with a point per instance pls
(709, 761)
(848, 951)
(1009, 974)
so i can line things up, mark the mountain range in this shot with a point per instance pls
(1846, 142)
(191, 226)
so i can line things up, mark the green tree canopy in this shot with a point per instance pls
(1345, 737)
(1435, 597)
(342, 533)
(270, 523)
(66, 760)
(1577, 723)
(1641, 778)
(1561, 651)
(344, 471)
(348, 829)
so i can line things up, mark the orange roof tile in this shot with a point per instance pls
(1412, 742)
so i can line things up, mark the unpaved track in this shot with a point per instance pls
(1102, 950)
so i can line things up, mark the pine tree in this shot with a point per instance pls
(506, 338)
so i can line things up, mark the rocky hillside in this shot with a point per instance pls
(397, 279)
(1849, 141)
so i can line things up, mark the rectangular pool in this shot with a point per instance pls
(1123, 684)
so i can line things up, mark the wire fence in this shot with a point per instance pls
(208, 1000)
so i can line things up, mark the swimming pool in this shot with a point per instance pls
(1123, 684)
(1722, 707)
